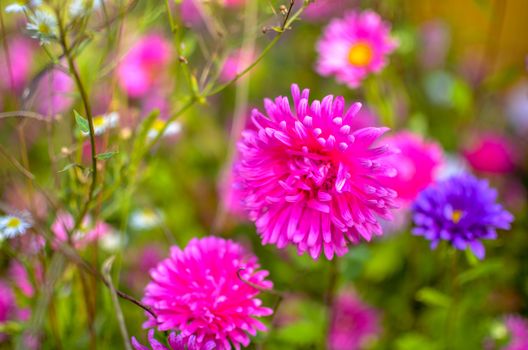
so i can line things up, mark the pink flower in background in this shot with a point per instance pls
(87, 233)
(307, 178)
(144, 65)
(232, 3)
(16, 76)
(190, 13)
(54, 93)
(201, 291)
(323, 9)
(491, 153)
(518, 329)
(417, 164)
(353, 47)
(20, 277)
(234, 64)
(435, 41)
(8, 309)
(353, 324)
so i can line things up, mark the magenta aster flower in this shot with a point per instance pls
(353, 324)
(353, 47)
(461, 210)
(143, 65)
(417, 164)
(54, 93)
(518, 330)
(202, 292)
(16, 70)
(88, 232)
(309, 179)
(491, 153)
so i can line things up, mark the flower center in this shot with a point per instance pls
(44, 29)
(158, 125)
(98, 121)
(456, 216)
(360, 54)
(13, 222)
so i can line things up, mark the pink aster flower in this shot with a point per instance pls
(87, 233)
(20, 60)
(54, 93)
(323, 9)
(353, 324)
(491, 153)
(518, 329)
(144, 65)
(8, 310)
(309, 179)
(234, 64)
(417, 164)
(202, 292)
(353, 47)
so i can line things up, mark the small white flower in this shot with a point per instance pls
(145, 219)
(22, 5)
(453, 165)
(42, 26)
(79, 8)
(111, 242)
(14, 225)
(104, 122)
(172, 129)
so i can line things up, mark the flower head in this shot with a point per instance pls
(87, 233)
(417, 163)
(143, 65)
(8, 308)
(461, 210)
(235, 64)
(53, 94)
(14, 225)
(324, 9)
(353, 323)
(309, 179)
(172, 129)
(207, 291)
(355, 46)
(518, 329)
(17, 69)
(491, 153)
(43, 26)
(146, 219)
(104, 122)
(22, 5)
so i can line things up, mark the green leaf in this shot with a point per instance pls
(433, 297)
(70, 166)
(81, 122)
(106, 155)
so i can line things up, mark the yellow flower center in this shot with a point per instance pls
(14, 222)
(158, 125)
(456, 216)
(98, 121)
(43, 28)
(360, 54)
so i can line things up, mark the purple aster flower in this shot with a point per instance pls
(461, 210)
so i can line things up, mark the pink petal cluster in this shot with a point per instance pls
(309, 179)
(323, 9)
(144, 64)
(417, 164)
(54, 93)
(15, 71)
(86, 234)
(353, 324)
(491, 153)
(518, 329)
(8, 308)
(234, 64)
(202, 292)
(353, 47)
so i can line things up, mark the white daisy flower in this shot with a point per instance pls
(172, 129)
(104, 122)
(111, 242)
(14, 225)
(22, 5)
(42, 26)
(145, 219)
(79, 8)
